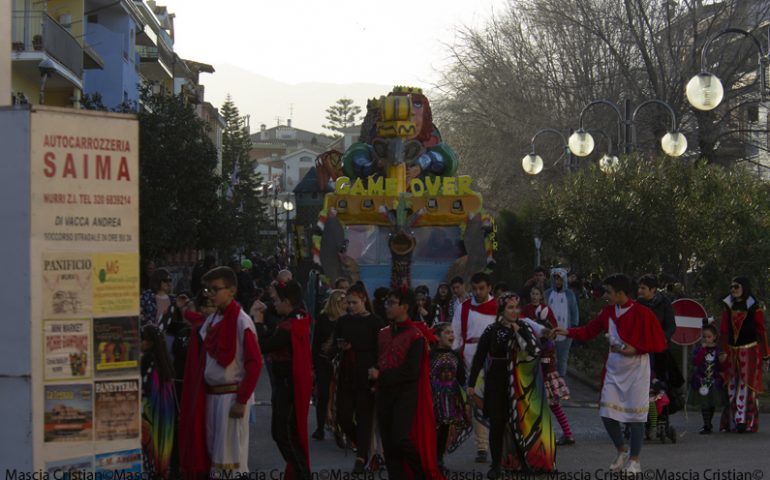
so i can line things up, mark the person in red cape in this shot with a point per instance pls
(633, 331)
(404, 401)
(221, 372)
(470, 320)
(288, 349)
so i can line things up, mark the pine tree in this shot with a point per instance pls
(242, 206)
(342, 115)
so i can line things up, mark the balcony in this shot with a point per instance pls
(155, 63)
(36, 35)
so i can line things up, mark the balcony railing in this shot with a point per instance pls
(36, 32)
(153, 54)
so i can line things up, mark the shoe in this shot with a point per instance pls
(620, 462)
(705, 430)
(495, 472)
(633, 467)
(318, 434)
(360, 466)
(481, 456)
(565, 441)
(740, 428)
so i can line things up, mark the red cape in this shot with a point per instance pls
(423, 432)
(303, 381)
(487, 308)
(638, 327)
(221, 339)
(194, 458)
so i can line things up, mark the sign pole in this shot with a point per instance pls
(5, 52)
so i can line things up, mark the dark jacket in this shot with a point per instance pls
(661, 307)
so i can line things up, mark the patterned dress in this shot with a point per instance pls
(447, 375)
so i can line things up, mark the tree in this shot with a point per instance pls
(242, 208)
(540, 62)
(178, 179)
(342, 115)
(699, 223)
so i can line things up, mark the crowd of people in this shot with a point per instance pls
(403, 378)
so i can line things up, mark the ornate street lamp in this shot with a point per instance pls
(704, 90)
(533, 163)
(673, 143)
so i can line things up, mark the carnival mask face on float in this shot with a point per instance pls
(418, 114)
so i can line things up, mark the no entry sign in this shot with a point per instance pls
(689, 316)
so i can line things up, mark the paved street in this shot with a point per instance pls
(694, 457)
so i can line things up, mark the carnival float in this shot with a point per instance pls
(399, 215)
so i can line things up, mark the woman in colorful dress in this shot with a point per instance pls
(555, 387)
(743, 343)
(159, 410)
(514, 393)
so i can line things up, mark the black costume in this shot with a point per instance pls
(323, 350)
(277, 345)
(355, 398)
(495, 346)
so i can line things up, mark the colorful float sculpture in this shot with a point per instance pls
(398, 214)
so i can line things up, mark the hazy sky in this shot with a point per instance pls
(336, 41)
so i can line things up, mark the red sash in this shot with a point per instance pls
(487, 308)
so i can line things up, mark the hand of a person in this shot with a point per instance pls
(257, 312)
(625, 349)
(470, 391)
(374, 373)
(722, 357)
(560, 331)
(423, 312)
(182, 302)
(238, 410)
(547, 333)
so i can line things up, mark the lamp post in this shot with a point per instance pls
(532, 163)
(705, 91)
(673, 143)
(288, 205)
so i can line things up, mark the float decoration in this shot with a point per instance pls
(398, 183)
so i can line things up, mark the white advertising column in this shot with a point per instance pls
(70, 349)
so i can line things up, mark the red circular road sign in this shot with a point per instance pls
(689, 316)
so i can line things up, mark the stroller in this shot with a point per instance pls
(666, 397)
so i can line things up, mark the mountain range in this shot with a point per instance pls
(272, 102)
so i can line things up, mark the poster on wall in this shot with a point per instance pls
(115, 283)
(68, 413)
(66, 349)
(116, 465)
(116, 345)
(70, 469)
(117, 409)
(66, 285)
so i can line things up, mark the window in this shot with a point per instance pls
(752, 113)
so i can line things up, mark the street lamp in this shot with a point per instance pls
(288, 205)
(705, 90)
(674, 143)
(533, 163)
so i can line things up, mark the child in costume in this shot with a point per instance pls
(447, 375)
(707, 378)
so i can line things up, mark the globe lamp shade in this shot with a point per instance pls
(581, 143)
(674, 144)
(705, 91)
(532, 164)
